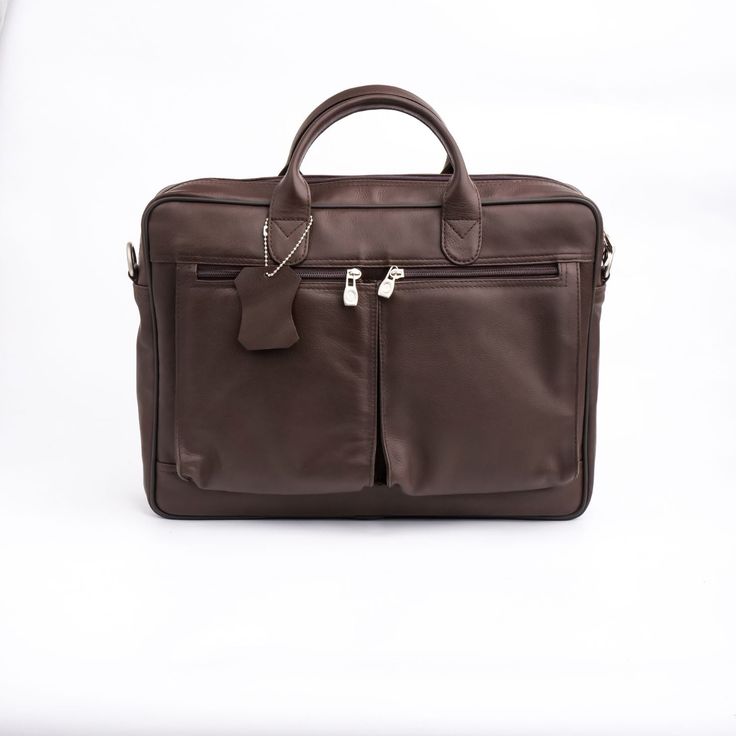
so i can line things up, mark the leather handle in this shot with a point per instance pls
(352, 94)
(291, 201)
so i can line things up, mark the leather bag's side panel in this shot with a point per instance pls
(595, 331)
(145, 365)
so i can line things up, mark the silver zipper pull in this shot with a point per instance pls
(389, 282)
(350, 295)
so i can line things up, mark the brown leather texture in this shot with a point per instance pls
(468, 391)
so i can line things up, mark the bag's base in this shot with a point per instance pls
(178, 499)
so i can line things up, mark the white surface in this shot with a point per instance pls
(115, 621)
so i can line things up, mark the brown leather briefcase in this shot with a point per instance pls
(373, 346)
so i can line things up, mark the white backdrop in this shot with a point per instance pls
(114, 621)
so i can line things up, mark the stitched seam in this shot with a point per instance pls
(280, 229)
(285, 219)
(569, 197)
(237, 260)
(447, 248)
(174, 188)
(301, 254)
(462, 237)
(576, 443)
(177, 380)
(298, 258)
(427, 183)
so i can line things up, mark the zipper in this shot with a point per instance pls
(350, 293)
(387, 285)
(320, 178)
(351, 275)
(206, 272)
(508, 271)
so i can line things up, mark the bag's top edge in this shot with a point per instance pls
(407, 190)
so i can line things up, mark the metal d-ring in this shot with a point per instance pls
(132, 262)
(607, 259)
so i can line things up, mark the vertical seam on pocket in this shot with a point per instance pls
(373, 347)
(383, 398)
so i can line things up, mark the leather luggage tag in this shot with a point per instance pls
(266, 322)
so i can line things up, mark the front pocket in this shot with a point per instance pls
(479, 383)
(299, 420)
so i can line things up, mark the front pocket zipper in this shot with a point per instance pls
(351, 276)
(387, 285)
(350, 294)
(510, 271)
(206, 272)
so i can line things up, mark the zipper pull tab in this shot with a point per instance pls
(350, 295)
(389, 282)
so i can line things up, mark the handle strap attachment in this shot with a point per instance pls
(291, 210)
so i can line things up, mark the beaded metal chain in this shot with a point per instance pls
(291, 252)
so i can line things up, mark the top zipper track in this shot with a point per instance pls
(370, 178)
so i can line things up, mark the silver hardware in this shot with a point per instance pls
(607, 259)
(132, 261)
(350, 295)
(291, 252)
(388, 284)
